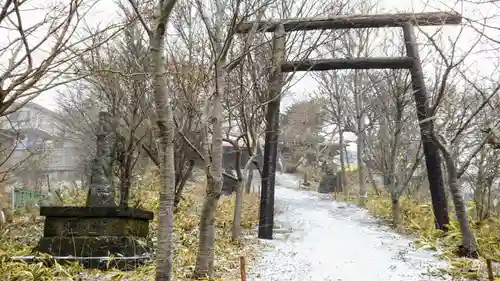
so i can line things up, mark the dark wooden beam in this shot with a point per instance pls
(268, 175)
(358, 63)
(430, 147)
(355, 21)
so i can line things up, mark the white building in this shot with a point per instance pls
(35, 151)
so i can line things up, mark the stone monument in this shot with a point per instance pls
(100, 234)
(328, 183)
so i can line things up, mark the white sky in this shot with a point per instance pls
(479, 64)
(106, 11)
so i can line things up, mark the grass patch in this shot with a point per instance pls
(418, 219)
(18, 238)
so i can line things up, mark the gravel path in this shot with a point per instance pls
(321, 240)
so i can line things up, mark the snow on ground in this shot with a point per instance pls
(321, 240)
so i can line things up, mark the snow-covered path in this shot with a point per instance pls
(320, 240)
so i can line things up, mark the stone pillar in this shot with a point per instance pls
(101, 191)
(328, 183)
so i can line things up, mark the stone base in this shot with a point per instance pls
(92, 246)
(122, 263)
(96, 236)
(97, 252)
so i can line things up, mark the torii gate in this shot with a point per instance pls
(411, 62)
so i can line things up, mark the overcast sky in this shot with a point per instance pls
(479, 64)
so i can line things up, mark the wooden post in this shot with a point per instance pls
(243, 270)
(266, 216)
(489, 266)
(431, 150)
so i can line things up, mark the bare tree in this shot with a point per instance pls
(166, 130)
(78, 118)
(221, 42)
(302, 125)
(482, 182)
(188, 79)
(394, 147)
(39, 48)
(332, 93)
(166, 127)
(124, 95)
(243, 110)
(236, 227)
(39, 55)
(468, 247)
(456, 111)
(346, 92)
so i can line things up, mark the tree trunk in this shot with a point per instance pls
(343, 180)
(248, 181)
(484, 199)
(8, 215)
(489, 202)
(360, 142)
(238, 205)
(374, 184)
(205, 259)
(479, 196)
(182, 183)
(396, 212)
(480, 189)
(341, 175)
(126, 162)
(125, 184)
(251, 163)
(361, 172)
(468, 240)
(238, 202)
(165, 123)
(468, 247)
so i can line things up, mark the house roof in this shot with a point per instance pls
(31, 129)
(7, 133)
(38, 107)
(41, 133)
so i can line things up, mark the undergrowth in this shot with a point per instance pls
(19, 238)
(418, 219)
